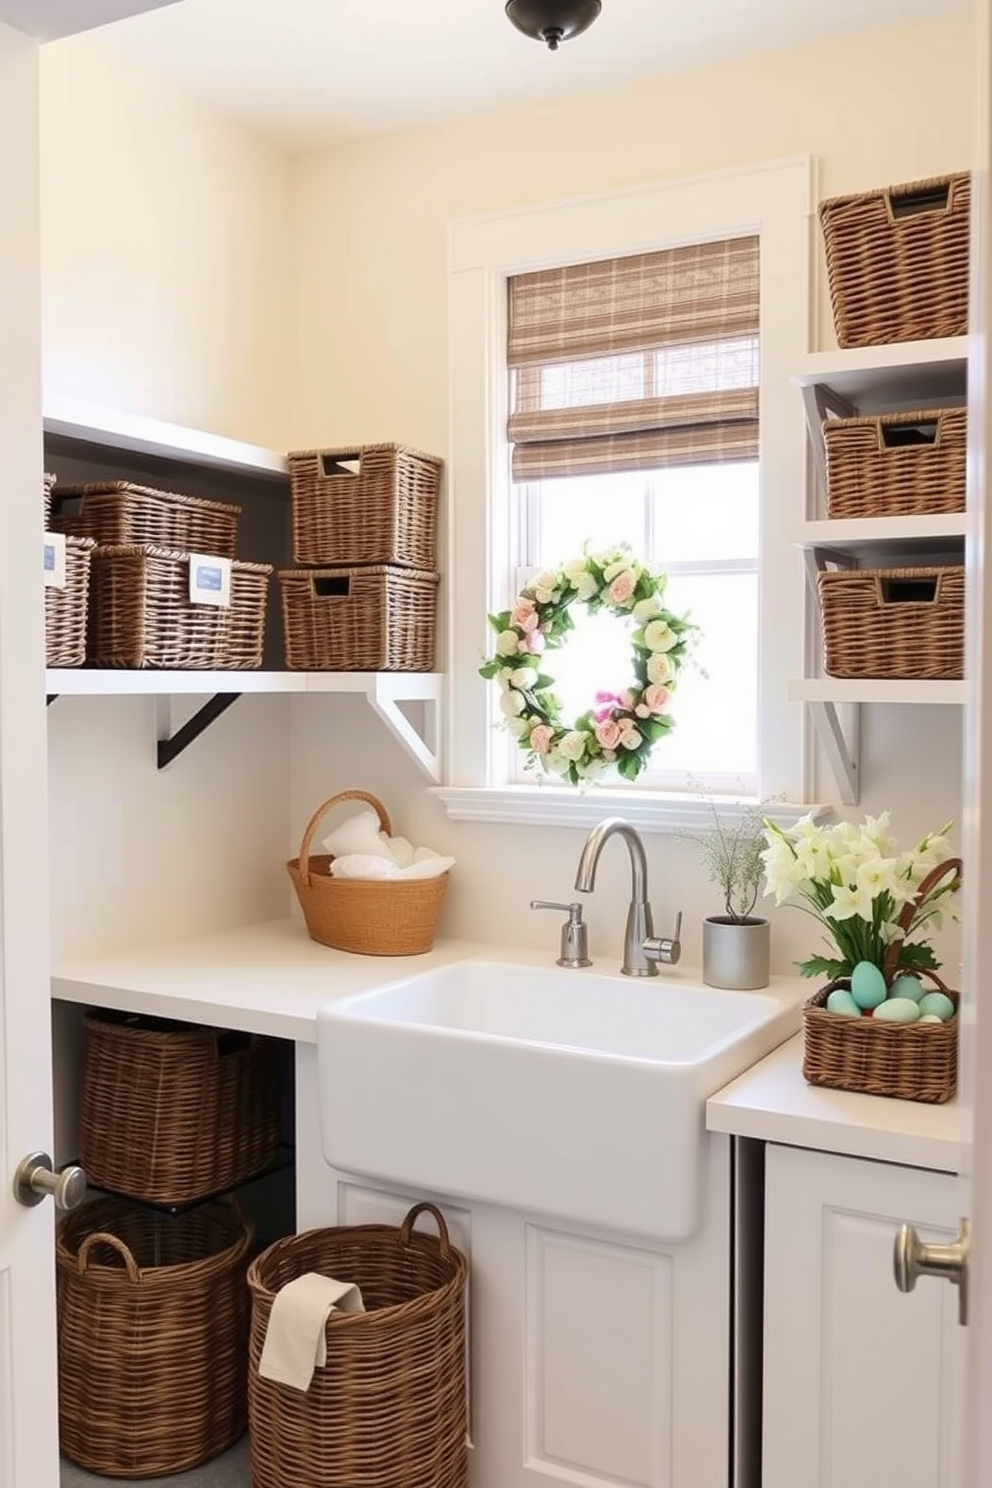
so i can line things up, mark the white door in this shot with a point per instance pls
(28, 1405)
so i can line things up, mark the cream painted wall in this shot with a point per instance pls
(166, 251)
(371, 363)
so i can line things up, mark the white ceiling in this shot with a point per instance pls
(312, 72)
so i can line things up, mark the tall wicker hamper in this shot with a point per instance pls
(153, 1315)
(172, 1112)
(897, 261)
(382, 511)
(389, 1409)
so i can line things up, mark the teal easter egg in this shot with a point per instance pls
(897, 1010)
(907, 986)
(867, 985)
(841, 1001)
(930, 1018)
(939, 1003)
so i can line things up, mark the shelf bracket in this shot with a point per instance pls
(172, 746)
(842, 753)
(387, 694)
(50, 698)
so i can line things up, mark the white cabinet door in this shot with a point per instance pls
(863, 1387)
(28, 1404)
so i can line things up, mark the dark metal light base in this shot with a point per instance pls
(553, 21)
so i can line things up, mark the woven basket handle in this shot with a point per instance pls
(924, 197)
(100, 1237)
(321, 812)
(406, 1228)
(891, 960)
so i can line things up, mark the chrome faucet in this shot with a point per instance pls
(642, 950)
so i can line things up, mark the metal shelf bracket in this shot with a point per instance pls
(171, 746)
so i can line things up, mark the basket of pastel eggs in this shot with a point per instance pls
(884, 1023)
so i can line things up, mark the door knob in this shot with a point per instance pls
(34, 1179)
(913, 1258)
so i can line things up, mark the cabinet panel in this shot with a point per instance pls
(862, 1385)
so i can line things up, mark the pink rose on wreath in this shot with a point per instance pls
(656, 697)
(534, 643)
(525, 620)
(521, 609)
(608, 733)
(623, 587)
(540, 738)
(630, 734)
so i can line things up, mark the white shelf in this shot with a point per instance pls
(875, 690)
(87, 424)
(861, 534)
(387, 693)
(899, 373)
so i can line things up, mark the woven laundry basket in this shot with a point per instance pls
(895, 622)
(67, 608)
(376, 619)
(122, 512)
(172, 1112)
(389, 1409)
(897, 261)
(378, 917)
(896, 464)
(374, 503)
(153, 1316)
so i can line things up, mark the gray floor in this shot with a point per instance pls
(229, 1471)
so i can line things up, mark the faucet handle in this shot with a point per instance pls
(574, 934)
(658, 948)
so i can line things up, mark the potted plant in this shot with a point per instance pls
(736, 943)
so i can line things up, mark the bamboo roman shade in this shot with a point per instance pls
(635, 363)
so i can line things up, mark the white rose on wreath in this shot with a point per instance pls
(620, 731)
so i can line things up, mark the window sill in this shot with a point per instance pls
(555, 806)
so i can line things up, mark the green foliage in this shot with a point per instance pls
(731, 854)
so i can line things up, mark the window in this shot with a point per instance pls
(633, 388)
(496, 522)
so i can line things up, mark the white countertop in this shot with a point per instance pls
(270, 978)
(773, 1103)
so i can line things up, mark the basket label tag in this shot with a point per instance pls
(53, 561)
(209, 580)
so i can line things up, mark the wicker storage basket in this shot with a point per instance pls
(896, 622)
(896, 464)
(897, 261)
(385, 511)
(172, 1112)
(909, 1061)
(47, 482)
(378, 619)
(389, 1408)
(153, 1332)
(120, 512)
(66, 609)
(141, 614)
(378, 917)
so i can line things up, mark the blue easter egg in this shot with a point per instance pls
(841, 1001)
(897, 1010)
(939, 1003)
(867, 985)
(907, 986)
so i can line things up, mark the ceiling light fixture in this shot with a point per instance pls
(553, 21)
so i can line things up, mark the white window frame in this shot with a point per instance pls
(776, 200)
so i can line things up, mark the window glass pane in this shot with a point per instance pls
(612, 379)
(716, 715)
(705, 512)
(703, 365)
(599, 509)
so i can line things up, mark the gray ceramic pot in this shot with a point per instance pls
(736, 954)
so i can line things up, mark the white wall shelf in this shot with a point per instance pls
(913, 375)
(109, 429)
(388, 694)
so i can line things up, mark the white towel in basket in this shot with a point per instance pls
(295, 1341)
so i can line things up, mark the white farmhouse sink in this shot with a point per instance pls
(540, 1089)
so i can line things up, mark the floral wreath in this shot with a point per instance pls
(621, 730)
